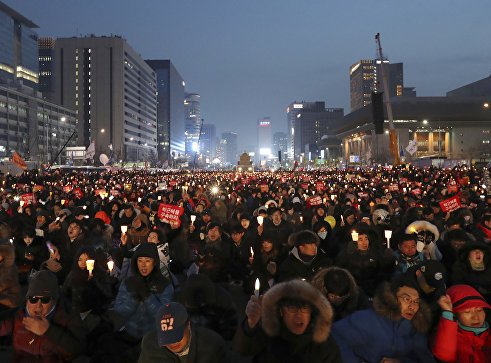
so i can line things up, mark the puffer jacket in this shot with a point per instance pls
(271, 342)
(373, 334)
(139, 298)
(10, 295)
(295, 268)
(63, 341)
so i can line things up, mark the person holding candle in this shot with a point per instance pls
(290, 323)
(89, 290)
(366, 260)
(137, 302)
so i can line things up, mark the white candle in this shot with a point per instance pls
(22, 203)
(388, 235)
(252, 253)
(301, 219)
(90, 266)
(62, 201)
(124, 229)
(139, 199)
(260, 220)
(354, 236)
(110, 265)
(257, 286)
(193, 218)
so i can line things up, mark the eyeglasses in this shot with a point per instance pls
(408, 300)
(293, 309)
(44, 299)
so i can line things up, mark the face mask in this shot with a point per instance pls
(322, 235)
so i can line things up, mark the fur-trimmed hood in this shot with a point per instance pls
(385, 303)
(318, 282)
(302, 290)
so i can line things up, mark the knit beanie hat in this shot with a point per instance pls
(44, 283)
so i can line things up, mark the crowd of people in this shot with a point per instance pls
(387, 264)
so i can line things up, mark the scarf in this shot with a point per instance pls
(476, 331)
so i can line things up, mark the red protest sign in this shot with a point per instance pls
(316, 200)
(67, 188)
(416, 191)
(170, 213)
(319, 185)
(304, 186)
(27, 198)
(450, 204)
(173, 183)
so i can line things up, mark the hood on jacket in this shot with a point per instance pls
(475, 245)
(145, 250)
(301, 290)
(318, 282)
(89, 251)
(385, 303)
(465, 297)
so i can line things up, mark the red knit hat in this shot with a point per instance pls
(103, 217)
(465, 297)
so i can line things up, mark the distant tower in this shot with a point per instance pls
(366, 76)
(192, 112)
(264, 146)
(231, 154)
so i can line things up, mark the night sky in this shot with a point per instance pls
(251, 58)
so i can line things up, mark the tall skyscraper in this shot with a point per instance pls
(192, 114)
(280, 143)
(366, 77)
(208, 142)
(231, 154)
(307, 123)
(46, 66)
(35, 128)
(170, 124)
(113, 92)
(18, 48)
(264, 148)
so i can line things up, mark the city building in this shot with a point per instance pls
(264, 150)
(445, 130)
(208, 143)
(280, 143)
(18, 48)
(113, 92)
(366, 77)
(231, 148)
(170, 111)
(193, 122)
(35, 128)
(308, 122)
(46, 66)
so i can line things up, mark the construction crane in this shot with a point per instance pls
(393, 139)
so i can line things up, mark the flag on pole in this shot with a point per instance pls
(90, 152)
(17, 160)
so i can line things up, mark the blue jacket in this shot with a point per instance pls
(139, 316)
(377, 333)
